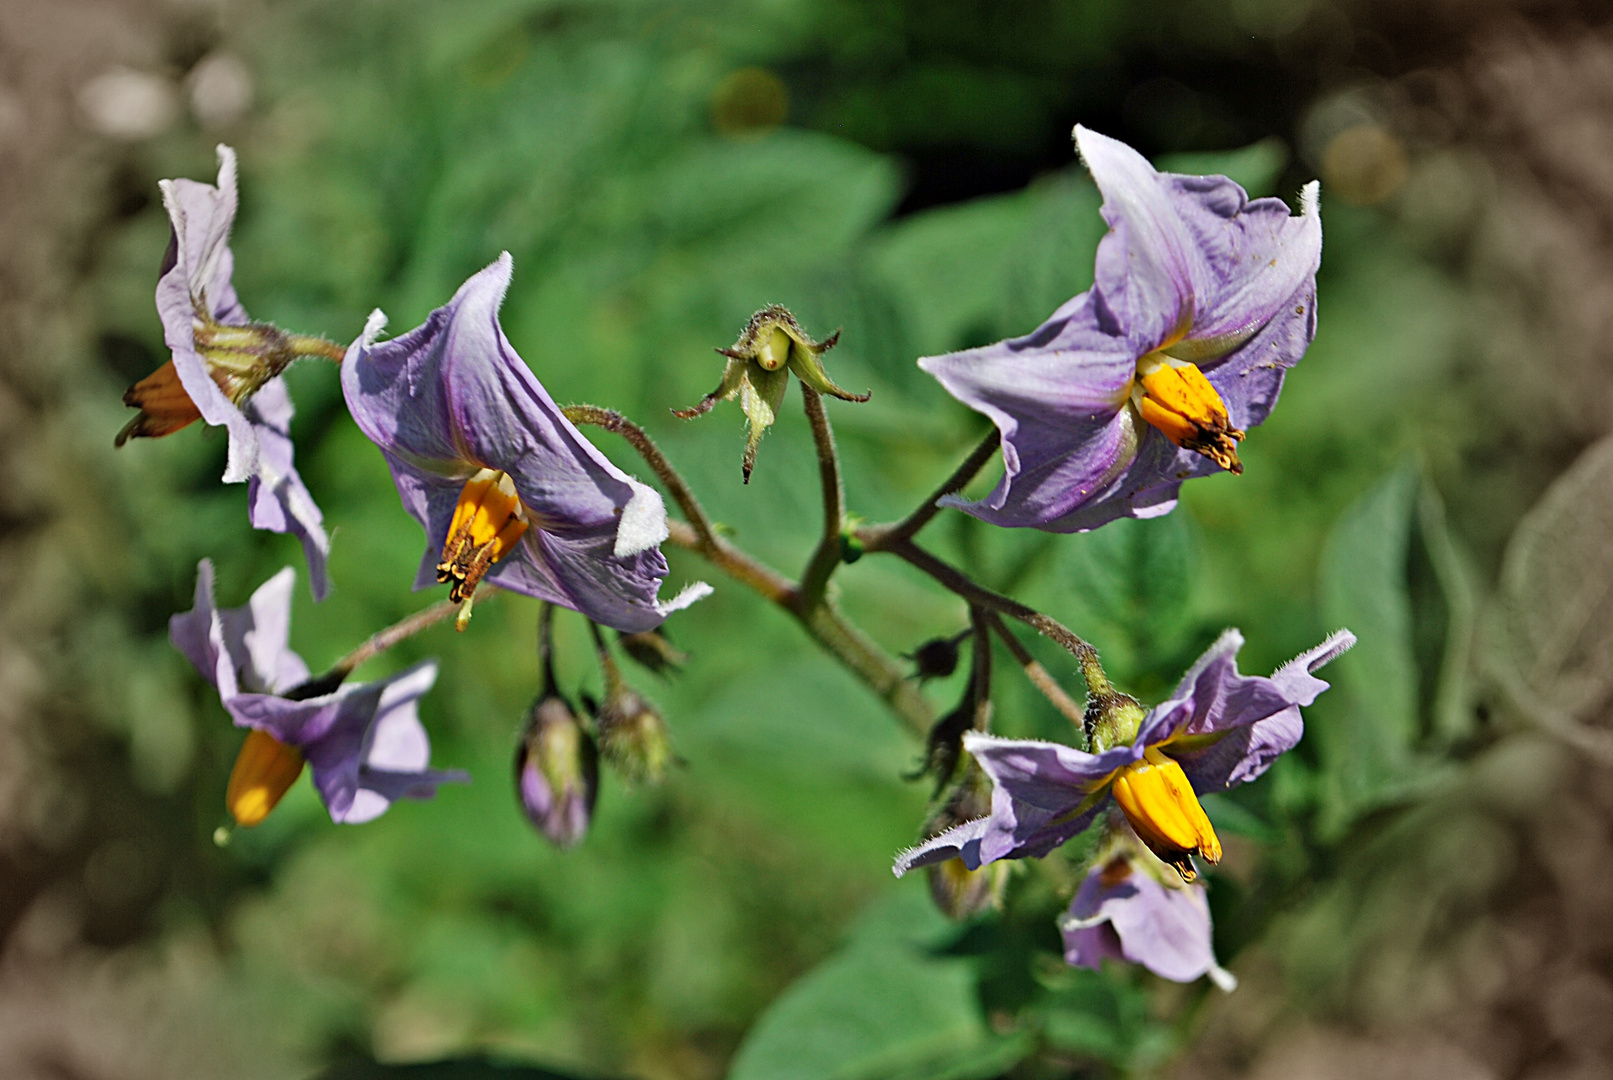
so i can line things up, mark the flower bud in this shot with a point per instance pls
(759, 364)
(632, 734)
(936, 658)
(557, 772)
(651, 649)
(958, 891)
(944, 745)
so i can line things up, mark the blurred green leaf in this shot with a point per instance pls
(456, 1069)
(1549, 636)
(883, 1005)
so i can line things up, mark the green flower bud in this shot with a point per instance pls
(759, 364)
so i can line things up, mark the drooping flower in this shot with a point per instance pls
(506, 488)
(557, 772)
(225, 368)
(1201, 301)
(1125, 911)
(364, 742)
(1218, 729)
(771, 346)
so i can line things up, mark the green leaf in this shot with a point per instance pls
(883, 1005)
(1376, 733)
(1549, 636)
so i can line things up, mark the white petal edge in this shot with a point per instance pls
(643, 523)
(698, 590)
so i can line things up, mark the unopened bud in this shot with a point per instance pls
(557, 772)
(633, 736)
(936, 658)
(651, 649)
(944, 745)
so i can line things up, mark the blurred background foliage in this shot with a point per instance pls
(1415, 889)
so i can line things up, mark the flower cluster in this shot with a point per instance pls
(1201, 301)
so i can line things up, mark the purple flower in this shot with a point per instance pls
(1122, 911)
(364, 742)
(225, 368)
(1218, 728)
(1201, 300)
(504, 485)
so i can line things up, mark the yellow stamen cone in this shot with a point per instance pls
(488, 522)
(1178, 400)
(1159, 803)
(264, 771)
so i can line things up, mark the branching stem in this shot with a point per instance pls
(958, 582)
(1039, 676)
(878, 669)
(887, 537)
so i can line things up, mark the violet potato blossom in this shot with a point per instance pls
(1124, 911)
(364, 742)
(225, 368)
(1217, 729)
(1201, 301)
(506, 488)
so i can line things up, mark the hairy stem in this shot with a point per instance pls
(611, 420)
(823, 622)
(958, 582)
(317, 346)
(980, 667)
(1039, 676)
(815, 579)
(380, 642)
(887, 537)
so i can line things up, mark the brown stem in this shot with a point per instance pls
(815, 579)
(827, 626)
(823, 622)
(980, 667)
(611, 420)
(957, 581)
(886, 537)
(1039, 676)
(380, 642)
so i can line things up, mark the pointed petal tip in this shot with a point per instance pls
(373, 327)
(694, 591)
(1309, 198)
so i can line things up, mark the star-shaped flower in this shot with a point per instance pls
(1201, 301)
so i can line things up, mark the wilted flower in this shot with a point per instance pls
(1218, 728)
(557, 771)
(505, 486)
(364, 742)
(1201, 301)
(759, 364)
(225, 368)
(1125, 911)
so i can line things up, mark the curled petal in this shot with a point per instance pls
(1140, 920)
